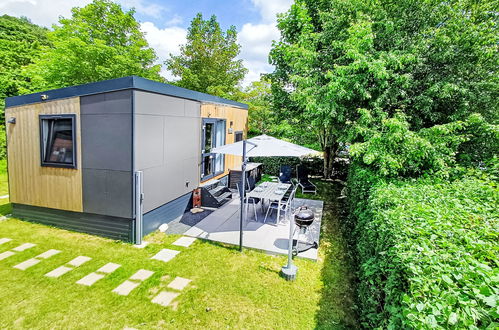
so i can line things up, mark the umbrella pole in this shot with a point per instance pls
(243, 190)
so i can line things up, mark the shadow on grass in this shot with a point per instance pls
(337, 309)
(5, 208)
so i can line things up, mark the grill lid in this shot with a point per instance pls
(304, 216)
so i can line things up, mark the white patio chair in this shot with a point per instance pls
(286, 205)
(249, 200)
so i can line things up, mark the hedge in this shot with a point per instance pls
(271, 165)
(427, 251)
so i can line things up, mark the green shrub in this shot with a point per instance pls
(271, 165)
(427, 251)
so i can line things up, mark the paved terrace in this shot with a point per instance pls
(223, 226)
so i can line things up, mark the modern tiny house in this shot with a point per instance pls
(75, 154)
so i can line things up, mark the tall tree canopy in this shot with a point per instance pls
(20, 45)
(100, 41)
(436, 61)
(207, 62)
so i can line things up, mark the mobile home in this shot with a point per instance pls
(99, 157)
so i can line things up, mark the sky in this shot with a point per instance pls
(165, 23)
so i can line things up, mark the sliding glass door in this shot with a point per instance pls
(213, 135)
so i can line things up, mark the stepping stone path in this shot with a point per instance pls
(6, 254)
(165, 255)
(134, 281)
(179, 283)
(33, 261)
(164, 298)
(76, 262)
(20, 248)
(23, 247)
(184, 241)
(91, 278)
(4, 240)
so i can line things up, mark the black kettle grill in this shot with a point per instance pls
(304, 217)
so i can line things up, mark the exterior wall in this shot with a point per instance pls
(166, 213)
(29, 182)
(239, 119)
(167, 133)
(111, 227)
(106, 122)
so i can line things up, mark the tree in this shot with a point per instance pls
(435, 61)
(20, 45)
(100, 41)
(207, 62)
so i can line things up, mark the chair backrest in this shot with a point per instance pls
(289, 203)
(251, 183)
(241, 193)
(285, 173)
(302, 173)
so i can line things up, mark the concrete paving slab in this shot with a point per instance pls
(47, 254)
(165, 298)
(78, 261)
(6, 254)
(26, 264)
(126, 287)
(59, 271)
(5, 240)
(223, 226)
(141, 246)
(184, 241)
(141, 275)
(108, 268)
(179, 283)
(90, 279)
(23, 247)
(165, 255)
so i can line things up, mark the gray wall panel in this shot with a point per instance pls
(182, 137)
(177, 147)
(106, 142)
(107, 192)
(157, 104)
(115, 102)
(192, 108)
(106, 129)
(151, 131)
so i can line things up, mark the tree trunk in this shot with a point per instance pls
(328, 161)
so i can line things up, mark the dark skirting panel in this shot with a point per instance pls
(100, 225)
(165, 213)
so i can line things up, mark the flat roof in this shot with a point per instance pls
(131, 82)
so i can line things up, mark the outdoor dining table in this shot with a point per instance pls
(268, 191)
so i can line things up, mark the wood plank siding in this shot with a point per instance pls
(29, 182)
(239, 119)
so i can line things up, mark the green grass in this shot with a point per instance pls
(229, 289)
(4, 185)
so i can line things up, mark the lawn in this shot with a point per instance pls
(229, 289)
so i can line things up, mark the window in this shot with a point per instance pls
(213, 136)
(238, 136)
(57, 140)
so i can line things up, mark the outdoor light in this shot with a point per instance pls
(12, 120)
(44, 97)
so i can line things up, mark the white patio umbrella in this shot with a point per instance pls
(265, 146)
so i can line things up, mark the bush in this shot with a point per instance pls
(271, 165)
(427, 251)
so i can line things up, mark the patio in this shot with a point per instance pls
(223, 226)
